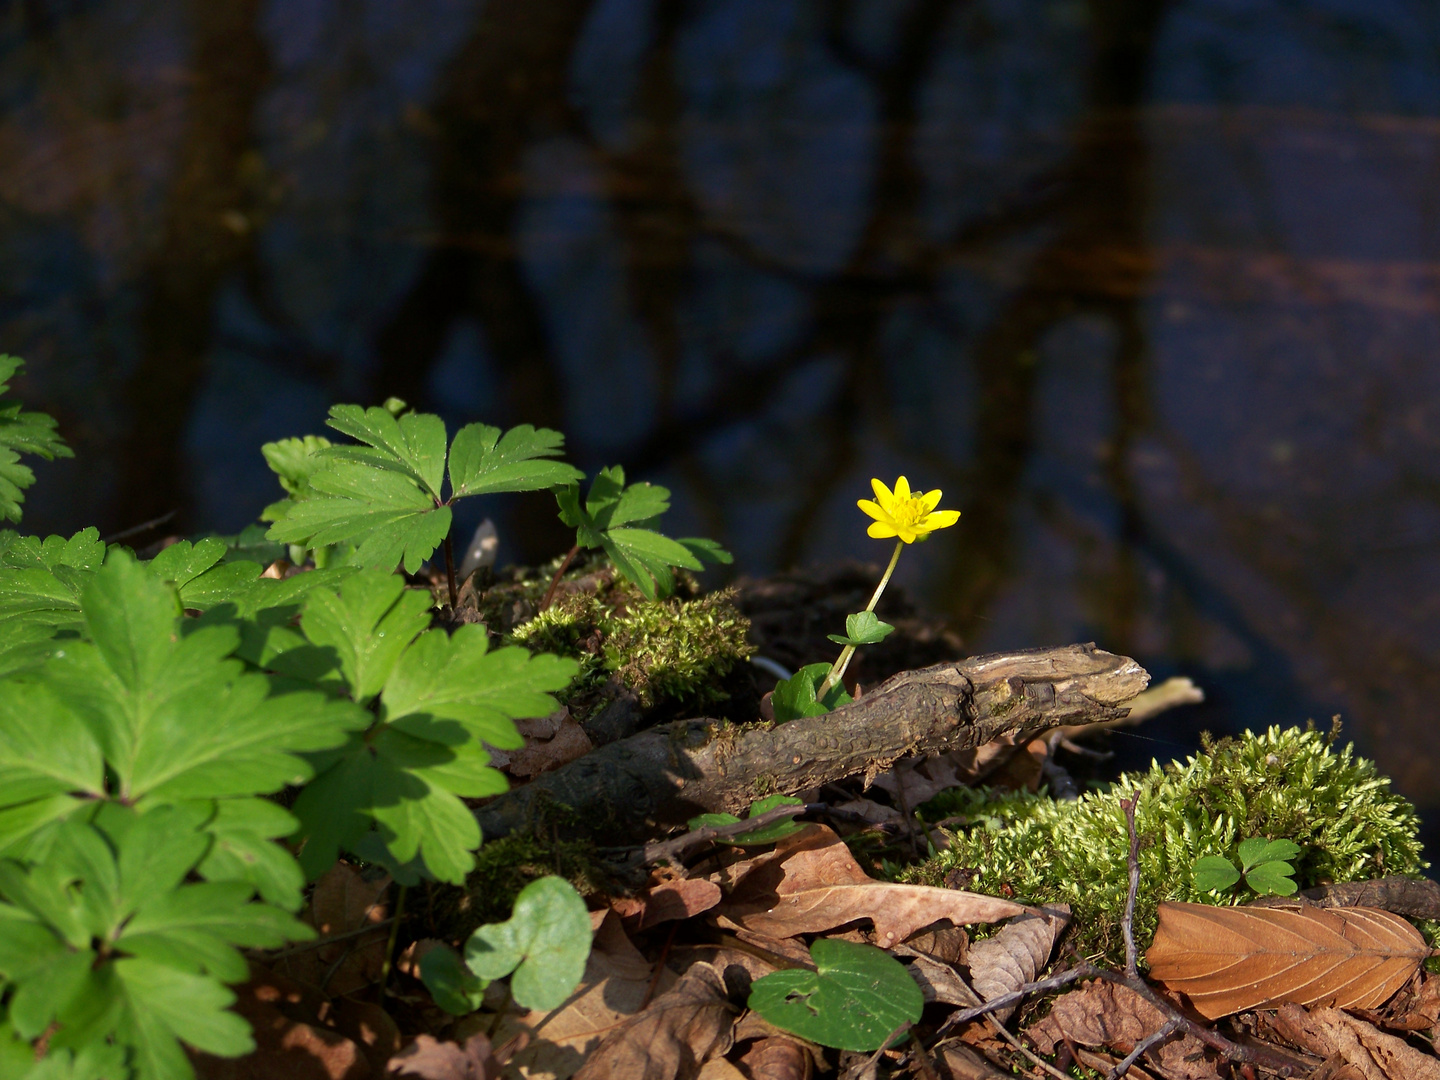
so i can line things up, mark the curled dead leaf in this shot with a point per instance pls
(1229, 959)
(1371, 1053)
(1004, 963)
(810, 882)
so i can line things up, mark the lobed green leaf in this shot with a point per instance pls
(545, 943)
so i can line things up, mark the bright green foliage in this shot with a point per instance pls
(104, 935)
(617, 519)
(545, 943)
(795, 697)
(394, 791)
(857, 998)
(455, 988)
(385, 495)
(293, 461)
(766, 834)
(1287, 785)
(21, 433)
(1264, 863)
(146, 714)
(862, 628)
(675, 651)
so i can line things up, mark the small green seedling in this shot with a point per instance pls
(766, 834)
(798, 695)
(862, 628)
(618, 519)
(545, 942)
(857, 998)
(1265, 865)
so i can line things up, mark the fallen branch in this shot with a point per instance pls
(668, 774)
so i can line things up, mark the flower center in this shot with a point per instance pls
(908, 512)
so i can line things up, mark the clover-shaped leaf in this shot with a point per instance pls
(795, 697)
(862, 628)
(545, 942)
(1215, 873)
(857, 998)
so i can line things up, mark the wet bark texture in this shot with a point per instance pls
(666, 775)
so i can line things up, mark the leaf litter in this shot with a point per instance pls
(667, 983)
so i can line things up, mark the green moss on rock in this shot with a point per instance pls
(1288, 784)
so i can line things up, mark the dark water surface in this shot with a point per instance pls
(1151, 290)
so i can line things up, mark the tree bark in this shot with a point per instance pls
(670, 773)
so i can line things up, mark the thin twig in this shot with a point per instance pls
(921, 1057)
(1035, 1059)
(320, 943)
(1127, 925)
(135, 530)
(1170, 1027)
(669, 850)
(555, 581)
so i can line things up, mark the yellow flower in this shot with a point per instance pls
(900, 513)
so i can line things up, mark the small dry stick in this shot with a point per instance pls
(669, 850)
(1170, 1027)
(1128, 923)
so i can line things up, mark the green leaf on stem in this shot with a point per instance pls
(545, 942)
(795, 697)
(22, 433)
(862, 628)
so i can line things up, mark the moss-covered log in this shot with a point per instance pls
(670, 773)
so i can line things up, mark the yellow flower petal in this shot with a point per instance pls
(908, 535)
(882, 493)
(940, 519)
(930, 500)
(902, 489)
(881, 530)
(872, 509)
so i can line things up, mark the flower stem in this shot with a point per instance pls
(837, 670)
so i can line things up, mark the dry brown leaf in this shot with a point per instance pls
(958, 1062)
(431, 1059)
(342, 902)
(1228, 959)
(1103, 1014)
(1004, 963)
(616, 983)
(1369, 1051)
(563, 741)
(810, 882)
(915, 780)
(291, 1038)
(778, 1058)
(673, 1038)
(666, 902)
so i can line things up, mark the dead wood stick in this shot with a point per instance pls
(668, 774)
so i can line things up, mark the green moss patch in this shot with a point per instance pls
(1289, 784)
(674, 651)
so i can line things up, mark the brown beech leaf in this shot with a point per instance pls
(1371, 1053)
(560, 742)
(342, 902)
(666, 902)
(1004, 963)
(673, 1037)
(430, 1059)
(1228, 959)
(810, 883)
(1102, 1014)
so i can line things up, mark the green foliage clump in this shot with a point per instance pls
(21, 432)
(1289, 784)
(664, 650)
